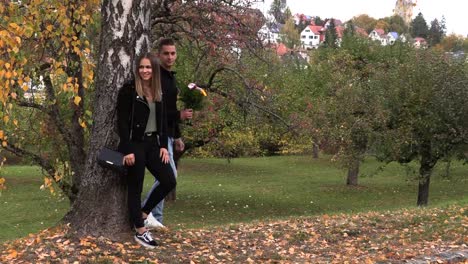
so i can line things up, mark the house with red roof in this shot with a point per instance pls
(360, 32)
(419, 43)
(311, 37)
(281, 49)
(339, 34)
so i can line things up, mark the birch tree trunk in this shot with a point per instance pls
(101, 207)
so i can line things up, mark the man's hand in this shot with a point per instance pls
(186, 114)
(179, 145)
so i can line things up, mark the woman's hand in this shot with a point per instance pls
(164, 154)
(129, 159)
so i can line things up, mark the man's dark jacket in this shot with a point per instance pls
(170, 92)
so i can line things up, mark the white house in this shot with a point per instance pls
(392, 37)
(403, 38)
(310, 37)
(270, 34)
(379, 35)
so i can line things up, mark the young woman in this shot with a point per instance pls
(143, 140)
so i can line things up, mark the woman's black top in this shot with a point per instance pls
(128, 134)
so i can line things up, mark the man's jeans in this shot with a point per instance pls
(158, 210)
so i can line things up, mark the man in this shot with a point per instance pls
(167, 54)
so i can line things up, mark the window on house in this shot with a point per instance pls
(311, 37)
(307, 30)
(315, 37)
(303, 36)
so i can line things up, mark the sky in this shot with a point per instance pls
(454, 11)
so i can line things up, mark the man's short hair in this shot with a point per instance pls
(165, 42)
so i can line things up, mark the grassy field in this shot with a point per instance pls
(212, 192)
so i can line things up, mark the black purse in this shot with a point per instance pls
(112, 159)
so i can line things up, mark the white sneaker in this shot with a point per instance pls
(153, 223)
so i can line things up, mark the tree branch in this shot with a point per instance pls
(44, 164)
(53, 111)
(24, 103)
(240, 102)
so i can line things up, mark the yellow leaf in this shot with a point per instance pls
(57, 177)
(4, 144)
(1, 134)
(49, 28)
(82, 122)
(77, 50)
(13, 254)
(14, 25)
(13, 95)
(77, 100)
(6, 119)
(15, 122)
(47, 181)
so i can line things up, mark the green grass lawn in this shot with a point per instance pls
(214, 192)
